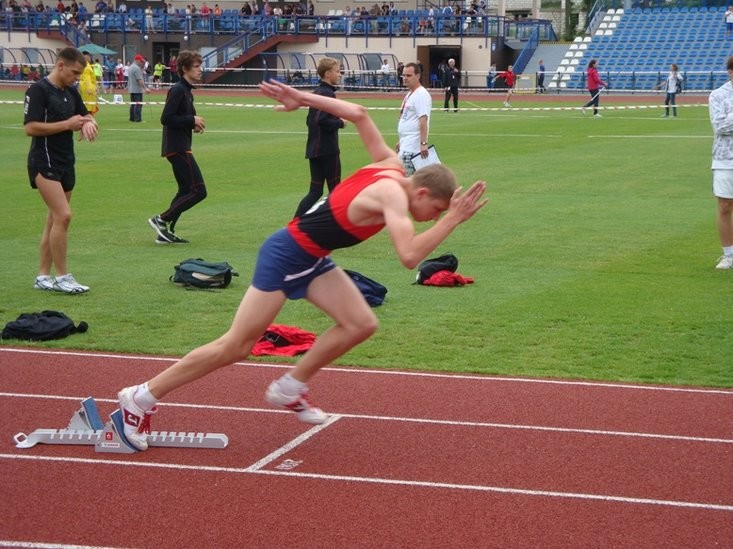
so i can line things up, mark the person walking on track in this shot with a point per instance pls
(595, 87)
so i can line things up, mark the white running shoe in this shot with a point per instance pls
(725, 262)
(597, 115)
(506, 104)
(43, 282)
(300, 404)
(136, 420)
(68, 285)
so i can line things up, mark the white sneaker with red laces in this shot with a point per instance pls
(136, 420)
(300, 404)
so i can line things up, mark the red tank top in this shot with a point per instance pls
(326, 226)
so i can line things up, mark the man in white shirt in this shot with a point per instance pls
(385, 70)
(720, 105)
(414, 125)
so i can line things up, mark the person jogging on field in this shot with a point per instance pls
(595, 87)
(295, 263)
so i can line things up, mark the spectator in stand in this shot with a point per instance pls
(246, 9)
(728, 21)
(100, 7)
(595, 87)
(122, 7)
(149, 21)
(311, 8)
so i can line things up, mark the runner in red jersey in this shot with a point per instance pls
(294, 263)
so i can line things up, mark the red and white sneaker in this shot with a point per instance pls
(136, 420)
(300, 404)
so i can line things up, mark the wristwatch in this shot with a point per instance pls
(423, 142)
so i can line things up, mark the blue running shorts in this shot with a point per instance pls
(283, 265)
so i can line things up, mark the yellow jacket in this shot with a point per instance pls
(88, 88)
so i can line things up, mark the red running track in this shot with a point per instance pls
(407, 460)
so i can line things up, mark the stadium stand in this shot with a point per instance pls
(635, 47)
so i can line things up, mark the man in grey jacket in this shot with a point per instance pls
(136, 86)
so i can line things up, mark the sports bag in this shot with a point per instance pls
(372, 290)
(197, 273)
(426, 269)
(42, 326)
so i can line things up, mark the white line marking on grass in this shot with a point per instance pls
(398, 419)
(378, 480)
(656, 136)
(477, 377)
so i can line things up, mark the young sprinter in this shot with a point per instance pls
(294, 263)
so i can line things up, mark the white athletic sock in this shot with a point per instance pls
(728, 250)
(144, 397)
(290, 386)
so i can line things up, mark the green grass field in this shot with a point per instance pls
(593, 260)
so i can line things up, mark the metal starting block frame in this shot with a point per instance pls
(87, 428)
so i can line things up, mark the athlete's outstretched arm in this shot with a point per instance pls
(291, 99)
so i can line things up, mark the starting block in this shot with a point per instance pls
(87, 428)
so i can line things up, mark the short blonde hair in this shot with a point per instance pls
(325, 64)
(438, 179)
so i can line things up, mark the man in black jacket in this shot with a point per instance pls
(179, 121)
(322, 147)
(451, 79)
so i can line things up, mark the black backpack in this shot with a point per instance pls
(426, 269)
(42, 326)
(197, 273)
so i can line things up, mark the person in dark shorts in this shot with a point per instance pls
(322, 147)
(180, 121)
(295, 263)
(53, 111)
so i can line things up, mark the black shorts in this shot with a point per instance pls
(67, 178)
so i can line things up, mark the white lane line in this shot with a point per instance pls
(297, 441)
(398, 419)
(386, 481)
(42, 545)
(484, 378)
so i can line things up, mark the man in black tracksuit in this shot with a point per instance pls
(179, 121)
(451, 79)
(322, 147)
